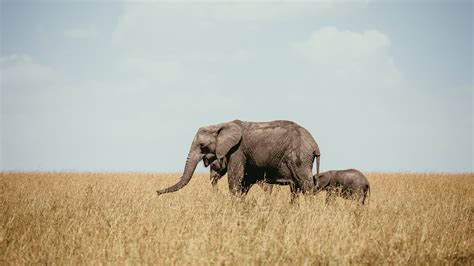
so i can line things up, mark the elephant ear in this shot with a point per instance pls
(228, 136)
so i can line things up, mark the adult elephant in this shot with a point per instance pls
(281, 149)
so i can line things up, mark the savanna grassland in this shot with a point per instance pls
(90, 218)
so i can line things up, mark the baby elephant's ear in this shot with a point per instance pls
(228, 136)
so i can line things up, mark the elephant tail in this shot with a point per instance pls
(317, 154)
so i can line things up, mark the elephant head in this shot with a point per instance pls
(321, 181)
(209, 143)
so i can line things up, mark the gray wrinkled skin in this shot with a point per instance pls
(218, 169)
(349, 184)
(278, 150)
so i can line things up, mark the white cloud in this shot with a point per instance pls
(329, 43)
(354, 82)
(368, 112)
(156, 24)
(265, 11)
(51, 121)
(22, 72)
(356, 64)
(167, 41)
(348, 52)
(81, 33)
(160, 71)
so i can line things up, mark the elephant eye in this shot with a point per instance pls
(204, 147)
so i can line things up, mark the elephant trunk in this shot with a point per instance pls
(193, 159)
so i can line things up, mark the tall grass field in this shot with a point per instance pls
(117, 218)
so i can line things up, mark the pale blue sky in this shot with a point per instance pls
(123, 86)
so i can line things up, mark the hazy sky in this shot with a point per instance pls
(124, 86)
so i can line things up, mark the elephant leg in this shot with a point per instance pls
(284, 173)
(246, 185)
(362, 199)
(295, 191)
(347, 194)
(251, 177)
(236, 174)
(303, 177)
(360, 196)
(366, 194)
(264, 183)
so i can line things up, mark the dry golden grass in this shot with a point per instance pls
(89, 218)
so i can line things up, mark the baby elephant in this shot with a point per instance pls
(349, 184)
